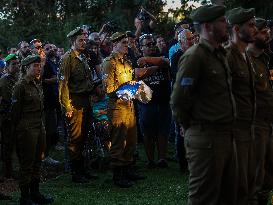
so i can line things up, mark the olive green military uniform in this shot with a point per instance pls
(243, 89)
(117, 71)
(75, 87)
(7, 83)
(27, 113)
(264, 114)
(203, 103)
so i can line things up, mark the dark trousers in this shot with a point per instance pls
(246, 163)
(8, 141)
(123, 133)
(30, 148)
(78, 129)
(210, 152)
(51, 129)
(262, 137)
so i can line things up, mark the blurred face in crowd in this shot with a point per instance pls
(50, 50)
(38, 48)
(131, 42)
(218, 29)
(148, 47)
(13, 66)
(95, 37)
(12, 50)
(94, 48)
(79, 43)
(161, 44)
(34, 70)
(60, 52)
(186, 39)
(262, 38)
(247, 31)
(25, 48)
(121, 46)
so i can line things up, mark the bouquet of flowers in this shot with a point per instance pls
(135, 90)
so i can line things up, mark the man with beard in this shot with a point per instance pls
(155, 116)
(75, 88)
(242, 31)
(264, 116)
(203, 103)
(51, 100)
(24, 50)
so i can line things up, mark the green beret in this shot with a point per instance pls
(117, 36)
(30, 59)
(10, 57)
(130, 34)
(261, 23)
(239, 15)
(76, 32)
(207, 13)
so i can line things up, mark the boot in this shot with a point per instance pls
(25, 196)
(7, 168)
(131, 174)
(77, 173)
(5, 197)
(36, 196)
(119, 179)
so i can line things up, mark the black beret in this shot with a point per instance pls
(240, 15)
(30, 59)
(207, 13)
(117, 36)
(261, 23)
(130, 34)
(76, 32)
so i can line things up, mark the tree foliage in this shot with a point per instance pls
(51, 20)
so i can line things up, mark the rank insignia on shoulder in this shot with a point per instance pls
(186, 81)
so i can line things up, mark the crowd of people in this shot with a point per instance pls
(211, 86)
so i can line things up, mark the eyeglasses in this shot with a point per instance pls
(150, 44)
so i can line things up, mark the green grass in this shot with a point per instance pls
(162, 186)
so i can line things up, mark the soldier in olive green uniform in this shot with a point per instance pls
(27, 115)
(203, 103)
(7, 83)
(264, 107)
(118, 71)
(75, 87)
(242, 31)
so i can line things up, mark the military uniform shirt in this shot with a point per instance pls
(75, 78)
(27, 104)
(202, 91)
(242, 82)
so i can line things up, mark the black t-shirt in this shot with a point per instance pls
(50, 91)
(160, 84)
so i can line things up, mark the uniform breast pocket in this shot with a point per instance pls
(240, 74)
(79, 73)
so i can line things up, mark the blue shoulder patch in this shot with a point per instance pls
(186, 81)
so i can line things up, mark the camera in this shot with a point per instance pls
(111, 27)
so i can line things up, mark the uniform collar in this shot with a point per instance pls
(210, 47)
(29, 79)
(255, 52)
